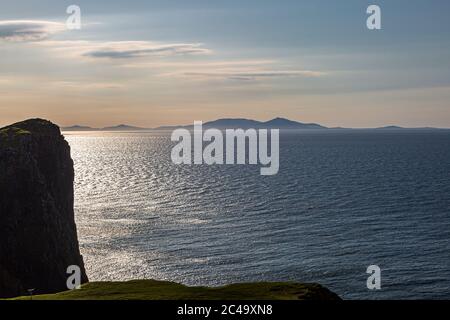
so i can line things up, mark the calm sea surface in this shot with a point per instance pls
(342, 201)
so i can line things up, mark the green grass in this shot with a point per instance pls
(12, 133)
(163, 290)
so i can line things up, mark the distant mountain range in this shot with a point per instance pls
(277, 123)
(120, 127)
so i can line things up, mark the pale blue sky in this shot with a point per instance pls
(169, 62)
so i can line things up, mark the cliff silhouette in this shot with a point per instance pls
(38, 238)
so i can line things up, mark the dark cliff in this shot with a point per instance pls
(38, 238)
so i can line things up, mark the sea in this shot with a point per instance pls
(343, 200)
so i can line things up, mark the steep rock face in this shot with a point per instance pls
(38, 238)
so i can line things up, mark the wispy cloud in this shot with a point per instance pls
(216, 65)
(123, 50)
(148, 55)
(247, 76)
(138, 49)
(28, 30)
(240, 70)
(4, 81)
(86, 85)
(80, 84)
(39, 31)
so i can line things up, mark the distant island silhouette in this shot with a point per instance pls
(241, 123)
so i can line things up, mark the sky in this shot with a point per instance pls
(167, 62)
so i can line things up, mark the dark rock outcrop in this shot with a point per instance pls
(38, 238)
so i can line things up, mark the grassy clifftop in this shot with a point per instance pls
(163, 290)
(15, 134)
